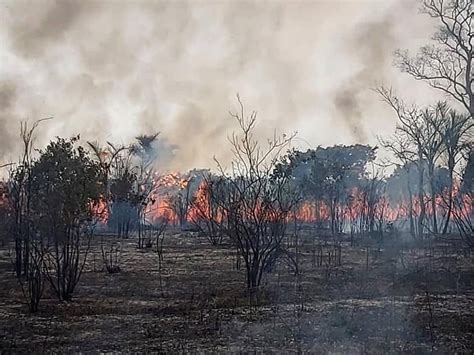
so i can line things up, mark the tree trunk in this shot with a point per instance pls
(18, 256)
(421, 199)
(410, 207)
(433, 198)
(450, 197)
(26, 256)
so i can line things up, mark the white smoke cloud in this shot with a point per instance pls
(114, 70)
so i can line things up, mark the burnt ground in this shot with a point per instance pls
(410, 299)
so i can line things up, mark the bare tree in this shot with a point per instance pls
(368, 206)
(145, 188)
(431, 144)
(407, 143)
(159, 230)
(181, 201)
(256, 203)
(447, 64)
(463, 206)
(108, 158)
(422, 137)
(455, 131)
(129, 177)
(29, 253)
(399, 145)
(119, 179)
(111, 255)
(124, 196)
(463, 202)
(207, 216)
(4, 213)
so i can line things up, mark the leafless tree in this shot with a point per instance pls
(463, 201)
(368, 206)
(407, 143)
(431, 132)
(256, 203)
(145, 187)
(119, 179)
(29, 256)
(379, 212)
(124, 196)
(463, 216)
(32, 284)
(456, 132)
(4, 213)
(110, 158)
(159, 233)
(208, 217)
(111, 255)
(181, 201)
(431, 144)
(397, 146)
(159, 230)
(446, 64)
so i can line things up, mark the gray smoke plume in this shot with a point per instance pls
(112, 70)
(7, 106)
(373, 44)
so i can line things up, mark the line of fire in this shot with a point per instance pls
(361, 205)
(340, 197)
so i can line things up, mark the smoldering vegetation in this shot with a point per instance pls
(343, 248)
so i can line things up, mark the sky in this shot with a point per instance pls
(112, 70)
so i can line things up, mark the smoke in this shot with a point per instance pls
(116, 70)
(373, 45)
(42, 26)
(7, 104)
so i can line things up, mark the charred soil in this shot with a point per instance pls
(371, 298)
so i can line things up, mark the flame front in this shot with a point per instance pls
(353, 210)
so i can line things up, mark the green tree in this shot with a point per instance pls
(328, 175)
(67, 185)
